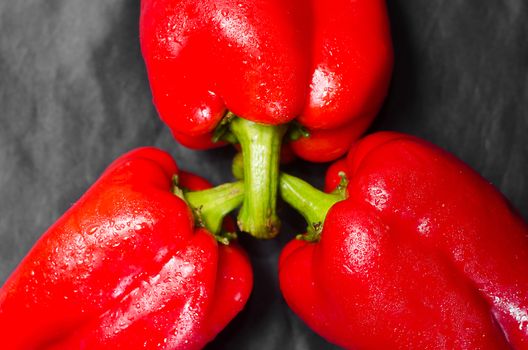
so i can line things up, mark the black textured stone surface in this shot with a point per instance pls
(74, 95)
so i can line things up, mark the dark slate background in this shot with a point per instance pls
(74, 95)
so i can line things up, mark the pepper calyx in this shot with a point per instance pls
(310, 202)
(210, 206)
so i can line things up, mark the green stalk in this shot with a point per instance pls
(261, 146)
(237, 166)
(212, 205)
(311, 203)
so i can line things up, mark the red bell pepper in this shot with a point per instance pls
(422, 254)
(325, 64)
(126, 267)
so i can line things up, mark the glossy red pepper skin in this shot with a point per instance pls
(125, 268)
(423, 254)
(326, 62)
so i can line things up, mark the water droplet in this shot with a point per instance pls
(92, 230)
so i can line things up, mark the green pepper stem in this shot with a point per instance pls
(212, 205)
(311, 203)
(237, 166)
(261, 155)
